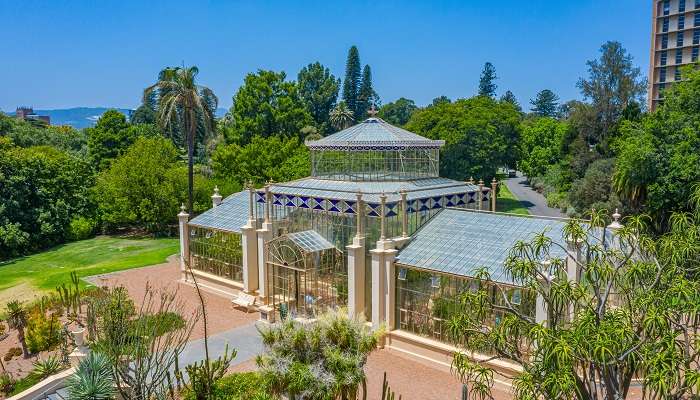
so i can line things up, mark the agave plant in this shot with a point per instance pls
(92, 379)
(47, 367)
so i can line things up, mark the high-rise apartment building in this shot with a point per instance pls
(675, 42)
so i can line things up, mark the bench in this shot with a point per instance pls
(244, 300)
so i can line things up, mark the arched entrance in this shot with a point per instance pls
(305, 275)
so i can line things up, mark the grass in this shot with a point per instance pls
(507, 202)
(31, 276)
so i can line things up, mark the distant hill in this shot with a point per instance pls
(83, 117)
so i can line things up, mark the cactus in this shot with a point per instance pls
(70, 297)
(387, 394)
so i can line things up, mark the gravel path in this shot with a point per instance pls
(535, 203)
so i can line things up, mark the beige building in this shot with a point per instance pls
(675, 42)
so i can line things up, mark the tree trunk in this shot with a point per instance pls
(22, 342)
(190, 171)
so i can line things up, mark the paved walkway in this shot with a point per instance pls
(245, 340)
(535, 203)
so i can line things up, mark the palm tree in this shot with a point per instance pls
(186, 107)
(341, 116)
(17, 319)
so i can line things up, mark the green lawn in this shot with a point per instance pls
(506, 202)
(28, 277)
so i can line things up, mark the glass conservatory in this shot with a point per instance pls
(305, 275)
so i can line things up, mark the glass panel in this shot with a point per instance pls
(217, 252)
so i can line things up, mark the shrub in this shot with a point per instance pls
(92, 380)
(81, 228)
(47, 367)
(558, 200)
(240, 386)
(163, 322)
(23, 384)
(12, 352)
(43, 333)
(6, 383)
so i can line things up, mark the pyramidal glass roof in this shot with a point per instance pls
(373, 133)
(460, 242)
(310, 241)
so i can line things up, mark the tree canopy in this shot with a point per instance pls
(318, 90)
(480, 135)
(487, 81)
(398, 112)
(545, 104)
(540, 144)
(267, 105)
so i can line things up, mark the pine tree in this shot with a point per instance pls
(509, 97)
(366, 97)
(545, 104)
(351, 85)
(487, 85)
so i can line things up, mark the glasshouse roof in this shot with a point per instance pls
(372, 190)
(229, 216)
(373, 133)
(310, 241)
(460, 242)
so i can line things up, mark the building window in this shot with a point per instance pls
(679, 39)
(697, 3)
(664, 40)
(677, 74)
(681, 22)
(667, 7)
(681, 6)
(694, 55)
(697, 19)
(662, 74)
(664, 57)
(664, 27)
(696, 36)
(679, 56)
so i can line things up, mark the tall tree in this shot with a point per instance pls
(613, 82)
(509, 97)
(186, 106)
(545, 104)
(17, 318)
(398, 112)
(366, 97)
(440, 100)
(487, 81)
(342, 116)
(351, 84)
(146, 112)
(266, 105)
(318, 89)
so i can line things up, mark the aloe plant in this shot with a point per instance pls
(47, 367)
(92, 379)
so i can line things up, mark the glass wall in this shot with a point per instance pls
(375, 165)
(216, 252)
(425, 301)
(304, 283)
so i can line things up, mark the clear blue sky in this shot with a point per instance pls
(58, 54)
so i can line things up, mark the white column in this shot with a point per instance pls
(264, 236)
(216, 197)
(356, 265)
(378, 291)
(249, 244)
(183, 217)
(404, 213)
(390, 288)
(480, 193)
(494, 186)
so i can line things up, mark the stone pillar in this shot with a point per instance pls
(249, 243)
(382, 217)
(378, 297)
(183, 217)
(404, 214)
(356, 265)
(494, 187)
(390, 288)
(264, 236)
(480, 194)
(216, 197)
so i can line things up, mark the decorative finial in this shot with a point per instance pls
(216, 190)
(615, 224)
(481, 182)
(182, 207)
(372, 112)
